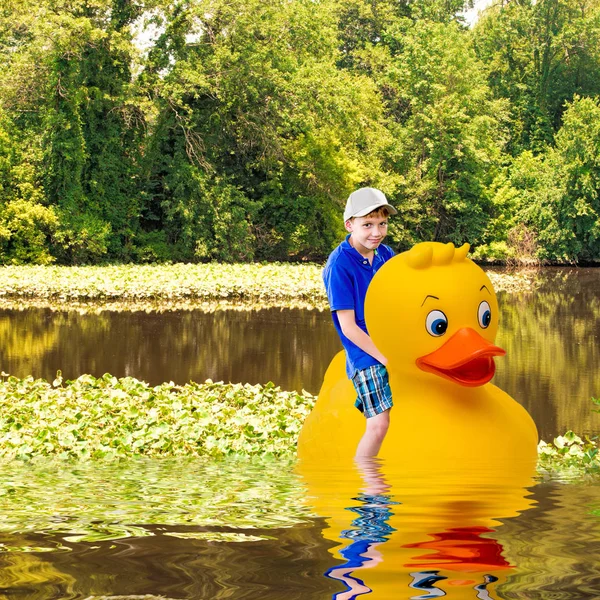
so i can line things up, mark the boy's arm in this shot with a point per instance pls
(357, 336)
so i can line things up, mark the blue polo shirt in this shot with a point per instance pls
(347, 276)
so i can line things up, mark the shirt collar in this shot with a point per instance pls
(356, 255)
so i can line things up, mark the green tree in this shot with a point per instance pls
(539, 55)
(577, 160)
(93, 131)
(448, 130)
(67, 81)
(556, 194)
(256, 123)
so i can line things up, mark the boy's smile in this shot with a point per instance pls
(367, 233)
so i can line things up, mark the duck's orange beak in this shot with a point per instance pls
(466, 358)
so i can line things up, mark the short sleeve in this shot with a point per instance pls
(339, 288)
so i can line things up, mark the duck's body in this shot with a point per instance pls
(430, 424)
(433, 313)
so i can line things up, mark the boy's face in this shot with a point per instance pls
(366, 233)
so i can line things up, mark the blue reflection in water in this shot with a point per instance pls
(426, 580)
(370, 529)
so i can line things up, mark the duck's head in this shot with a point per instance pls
(432, 310)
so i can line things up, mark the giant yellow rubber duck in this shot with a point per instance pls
(433, 313)
(458, 457)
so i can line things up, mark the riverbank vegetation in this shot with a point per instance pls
(183, 286)
(149, 131)
(106, 417)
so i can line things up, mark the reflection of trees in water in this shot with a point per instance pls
(168, 567)
(237, 346)
(292, 348)
(27, 337)
(23, 337)
(28, 574)
(552, 343)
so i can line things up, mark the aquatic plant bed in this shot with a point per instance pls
(106, 417)
(182, 286)
(109, 417)
(165, 282)
(568, 456)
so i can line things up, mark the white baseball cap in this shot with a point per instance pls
(366, 200)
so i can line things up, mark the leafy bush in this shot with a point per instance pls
(569, 456)
(523, 245)
(80, 239)
(492, 252)
(25, 232)
(578, 149)
(152, 247)
(555, 195)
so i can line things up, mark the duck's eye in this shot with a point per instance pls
(484, 314)
(436, 323)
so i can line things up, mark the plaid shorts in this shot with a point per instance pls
(373, 388)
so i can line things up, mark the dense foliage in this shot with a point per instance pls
(269, 281)
(198, 130)
(569, 456)
(109, 417)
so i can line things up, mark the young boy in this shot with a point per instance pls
(347, 275)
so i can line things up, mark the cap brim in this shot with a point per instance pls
(369, 209)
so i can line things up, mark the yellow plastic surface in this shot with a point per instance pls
(435, 420)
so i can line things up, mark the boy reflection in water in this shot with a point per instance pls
(371, 529)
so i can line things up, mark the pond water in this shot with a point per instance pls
(266, 530)
(551, 337)
(272, 529)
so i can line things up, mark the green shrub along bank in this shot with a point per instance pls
(106, 417)
(233, 130)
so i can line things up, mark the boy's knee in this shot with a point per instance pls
(379, 424)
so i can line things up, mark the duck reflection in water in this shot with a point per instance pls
(382, 559)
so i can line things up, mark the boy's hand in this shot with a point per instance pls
(357, 336)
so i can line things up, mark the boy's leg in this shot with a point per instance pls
(374, 435)
(374, 401)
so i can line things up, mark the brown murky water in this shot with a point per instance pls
(552, 338)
